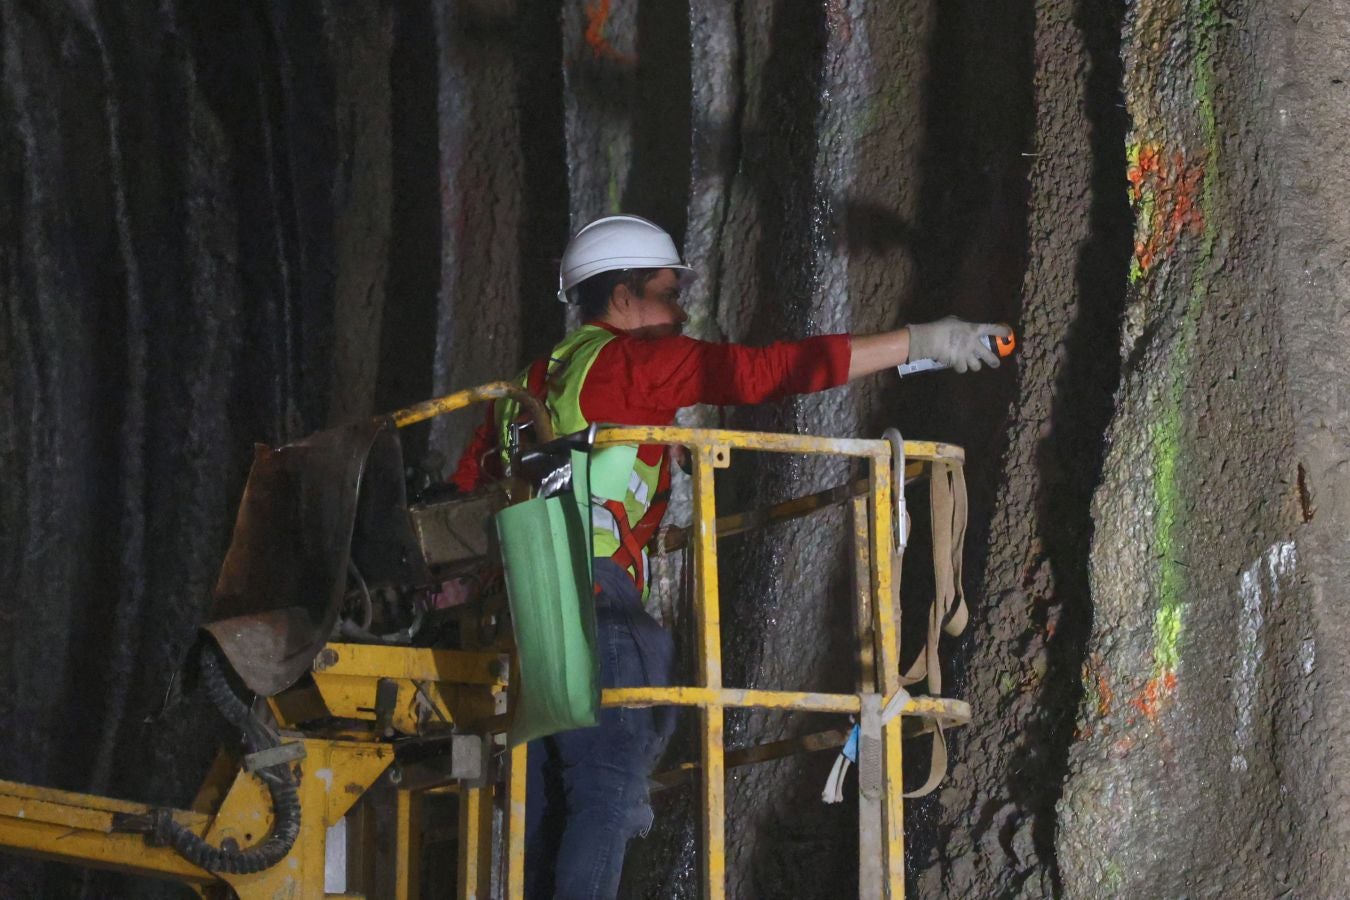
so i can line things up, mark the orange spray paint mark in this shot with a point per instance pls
(1164, 192)
(1154, 695)
(597, 18)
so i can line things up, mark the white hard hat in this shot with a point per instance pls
(617, 242)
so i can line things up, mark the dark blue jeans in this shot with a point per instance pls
(587, 790)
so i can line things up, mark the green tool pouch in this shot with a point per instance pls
(546, 553)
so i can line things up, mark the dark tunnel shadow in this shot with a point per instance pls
(1069, 463)
(794, 218)
(970, 246)
(1070, 458)
(413, 282)
(777, 161)
(776, 164)
(874, 228)
(658, 178)
(544, 219)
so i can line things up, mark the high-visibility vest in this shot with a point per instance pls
(621, 530)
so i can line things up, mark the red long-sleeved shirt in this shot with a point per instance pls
(644, 381)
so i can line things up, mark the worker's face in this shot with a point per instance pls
(657, 311)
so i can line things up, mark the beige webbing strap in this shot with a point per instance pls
(953, 516)
(947, 503)
(937, 766)
(948, 613)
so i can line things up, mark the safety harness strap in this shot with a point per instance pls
(632, 539)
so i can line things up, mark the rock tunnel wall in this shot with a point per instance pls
(1206, 756)
(230, 224)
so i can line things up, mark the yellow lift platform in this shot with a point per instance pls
(380, 694)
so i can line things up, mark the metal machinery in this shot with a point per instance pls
(415, 722)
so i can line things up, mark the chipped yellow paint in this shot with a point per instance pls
(414, 663)
(878, 607)
(885, 610)
(79, 828)
(496, 390)
(771, 442)
(515, 845)
(862, 590)
(436, 688)
(475, 842)
(333, 776)
(709, 625)
(64, 826)
(947, 710)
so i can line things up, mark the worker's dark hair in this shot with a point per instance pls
(592, 295)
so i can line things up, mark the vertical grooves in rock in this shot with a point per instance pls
(232, 223)
(1031, 526)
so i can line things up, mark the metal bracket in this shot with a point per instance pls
(274, 756)
(466, 762)
(869, 747)
(386, 699)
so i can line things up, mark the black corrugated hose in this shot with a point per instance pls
(278, 778)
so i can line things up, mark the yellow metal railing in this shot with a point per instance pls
(872, 509)
(462, 686)
(496, 390)
(871, 501)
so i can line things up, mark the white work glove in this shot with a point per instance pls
(952, 342)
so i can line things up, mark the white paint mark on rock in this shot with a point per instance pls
(1280, 562)
(1307, 655)
(1259, 586)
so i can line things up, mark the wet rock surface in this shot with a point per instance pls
(1198, 745)
(232, 224)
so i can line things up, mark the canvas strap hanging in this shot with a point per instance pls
(948, 613)
(947, 503)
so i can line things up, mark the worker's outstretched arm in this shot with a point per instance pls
(950, 341)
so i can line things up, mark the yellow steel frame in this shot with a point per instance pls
(467, 688)
(878, 645)
(80, 828)
(433, 686)
(878, 653)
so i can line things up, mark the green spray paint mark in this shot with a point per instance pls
(1113, 876)
(1145, 202)
(1141, 217)
(1166, 435)
(1136, 271)
(1166, 441)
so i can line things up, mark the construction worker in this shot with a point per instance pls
(629, 364)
